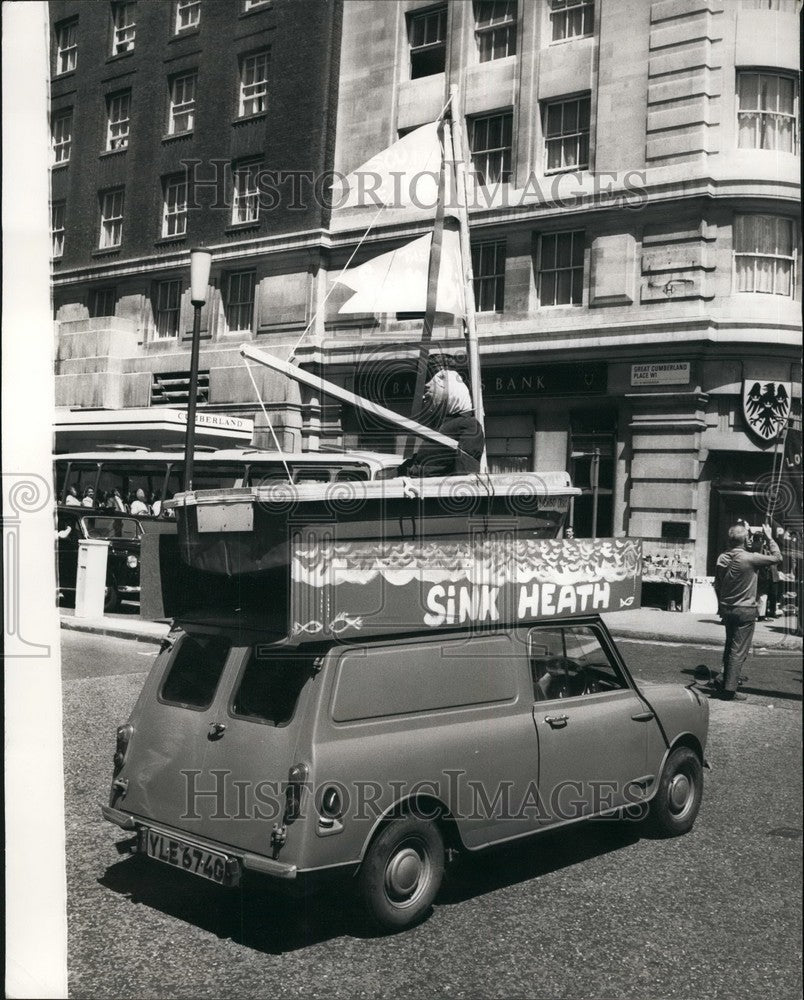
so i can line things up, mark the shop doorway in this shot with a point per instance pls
(739, 484)
(593, 437)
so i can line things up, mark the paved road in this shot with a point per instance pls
(590, 912)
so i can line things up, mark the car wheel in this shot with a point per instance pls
(110, 596)
(402, 872)
(674, 807)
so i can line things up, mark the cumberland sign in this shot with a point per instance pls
(397, 384)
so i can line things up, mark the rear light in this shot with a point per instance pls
(124, 734)
(297, 778)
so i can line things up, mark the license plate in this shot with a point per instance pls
(196, 860)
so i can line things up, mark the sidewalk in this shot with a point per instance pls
(644, 623)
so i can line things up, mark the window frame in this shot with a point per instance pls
(258, 96)
(482, 174)
(102, 294)
(119, 31)
(563, 9)
(301, 662)
(66, 46)
(495, 279)
(58, 231)
(242, 306)
(762, 114)
(416, 17)
(122, 138)
(509, 24)
(541, 271)
(775, 258)
(174, 659)
(109, 221)
(172, 211)
(577, 135)
(160, 310)
(250, 199)
(60, 143)
(188, 107)
(182, 6)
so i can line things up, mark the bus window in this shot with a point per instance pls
(312, 474)
(262, 474)
(133, 475)
(218, 475)
(351, 475)
(82, 476)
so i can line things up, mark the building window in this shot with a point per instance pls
(566, 134)
(764, 254)
(491, 146)
(124, 20)
(251, 4)
(58, 211)
(102, 302)
(767, 112)
(488, 268)
(62, 136)
(182, 104)
(168, 304)
(174, 218)
(495, 28)
(111, 229)
(66, 47)
(240, 302)
(571, 18)
(254, 83)
(427, 32)
(560, 268)
(246, 199)
(188, 15)
(118, 109)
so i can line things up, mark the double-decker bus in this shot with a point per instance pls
(161, 473)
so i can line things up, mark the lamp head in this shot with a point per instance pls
(200, 261)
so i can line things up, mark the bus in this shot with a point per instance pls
(161, 473)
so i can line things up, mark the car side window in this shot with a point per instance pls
(570, 662)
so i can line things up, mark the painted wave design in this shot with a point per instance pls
(482, 562)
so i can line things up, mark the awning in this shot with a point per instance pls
(146, 427)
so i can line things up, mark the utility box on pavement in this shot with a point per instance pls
(90, 583)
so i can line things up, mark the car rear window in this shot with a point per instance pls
(423, 677)
(196, 670)
(270, 685)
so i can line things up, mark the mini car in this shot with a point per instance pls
(124, 533)
(253, 752)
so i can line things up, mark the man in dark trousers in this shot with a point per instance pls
(736, 586)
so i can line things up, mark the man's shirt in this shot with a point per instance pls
(736, 575)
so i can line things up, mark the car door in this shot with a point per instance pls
(590, 723)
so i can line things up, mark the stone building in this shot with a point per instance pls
(635, 231)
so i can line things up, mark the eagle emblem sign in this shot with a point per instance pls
(766, 406)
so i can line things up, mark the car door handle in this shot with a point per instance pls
(643, 716)
(216, 730)
(556, 721)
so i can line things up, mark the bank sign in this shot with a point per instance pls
(393, 386)
(350, 588)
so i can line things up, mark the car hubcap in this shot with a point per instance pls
(404, 874)
(680, 793)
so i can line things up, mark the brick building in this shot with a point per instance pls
(165, 118)
(636, 237)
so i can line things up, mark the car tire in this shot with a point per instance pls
(673, 809)
(401, 873)
(110, 596)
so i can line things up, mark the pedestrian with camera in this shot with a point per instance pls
(736, 578)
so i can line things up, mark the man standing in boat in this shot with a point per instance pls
(447, 405)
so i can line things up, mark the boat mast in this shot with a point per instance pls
(460, 157)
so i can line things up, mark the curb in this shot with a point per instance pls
(645, 636)
(111, 631)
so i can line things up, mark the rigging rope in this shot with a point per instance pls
(268, 420)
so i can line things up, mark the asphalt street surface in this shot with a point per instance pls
(592, 911)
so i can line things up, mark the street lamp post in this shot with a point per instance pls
(200, 261)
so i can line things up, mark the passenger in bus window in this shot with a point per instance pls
(156, 504)
(115, 501)
(139, 506)
(89, 497)
(71, 500)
